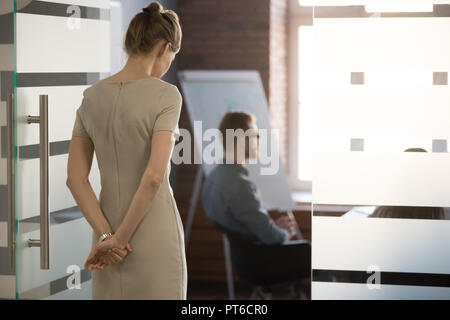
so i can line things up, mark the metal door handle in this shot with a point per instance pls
(11, 178)
(43, 243)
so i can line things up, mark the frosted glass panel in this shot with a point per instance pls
(60, 196)
(62, 104)
(360, 243)
(74, 46)
(393, 112)
(77, 232)
(381, 178)
(365, 44)
(380, 86)
(62, 47)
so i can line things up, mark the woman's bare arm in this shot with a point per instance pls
(79, 165)
(162, 145)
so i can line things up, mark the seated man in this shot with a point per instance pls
(232, 200)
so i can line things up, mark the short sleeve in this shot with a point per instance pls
(78, 128)
(167, 119)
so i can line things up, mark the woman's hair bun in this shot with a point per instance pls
(155, 7)
(149, 27)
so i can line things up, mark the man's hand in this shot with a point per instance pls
(287, 224)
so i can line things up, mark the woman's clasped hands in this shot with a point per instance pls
(106, 253)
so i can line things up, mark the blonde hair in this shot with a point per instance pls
(149, 27)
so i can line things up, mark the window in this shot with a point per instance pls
(350, 87)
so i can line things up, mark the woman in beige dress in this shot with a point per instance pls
(131, 119)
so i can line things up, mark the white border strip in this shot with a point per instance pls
(378, 178)
(393, 245)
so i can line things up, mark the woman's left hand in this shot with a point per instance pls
(108, 252)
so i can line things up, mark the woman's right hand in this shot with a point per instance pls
(108, 252)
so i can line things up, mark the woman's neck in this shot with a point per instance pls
(137, 68)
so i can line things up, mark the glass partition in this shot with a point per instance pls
(61, 48)
(380, 160)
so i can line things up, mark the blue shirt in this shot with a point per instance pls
(232, 200)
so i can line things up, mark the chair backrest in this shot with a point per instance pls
(237, 239)
(247, 256)
(261, 264)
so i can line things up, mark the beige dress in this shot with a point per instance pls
(120, 119)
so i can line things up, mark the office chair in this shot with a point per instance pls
(259, 264)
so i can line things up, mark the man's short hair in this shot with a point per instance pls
(237, 121)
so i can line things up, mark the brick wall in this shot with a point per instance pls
(229, 35)
(225, 34)
(278, 73)
(232, 34)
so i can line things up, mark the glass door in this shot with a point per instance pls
(381, 126)
(61, 47)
